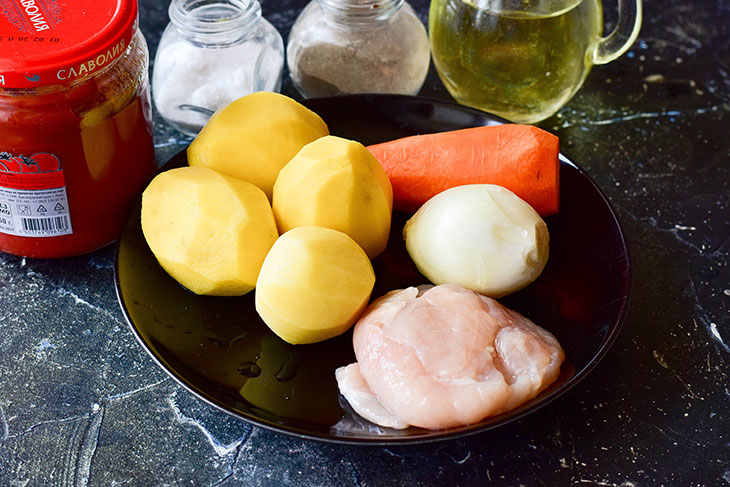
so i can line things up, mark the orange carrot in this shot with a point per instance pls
(522, 158)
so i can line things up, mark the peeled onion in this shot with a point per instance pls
(480, 236)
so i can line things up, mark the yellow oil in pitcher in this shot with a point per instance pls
(522, 64)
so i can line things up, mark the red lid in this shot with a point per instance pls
(45, 42)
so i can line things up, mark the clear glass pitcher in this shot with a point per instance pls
(524, 59)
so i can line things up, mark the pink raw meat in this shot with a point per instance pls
(443, 356)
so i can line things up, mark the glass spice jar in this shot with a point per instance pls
(212, 53)
(75, 124)
(358, 46)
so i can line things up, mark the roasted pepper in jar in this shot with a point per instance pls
(75, 123)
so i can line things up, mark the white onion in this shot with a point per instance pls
(480, 236)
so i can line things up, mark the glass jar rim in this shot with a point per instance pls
(360, 12)
(214, 17)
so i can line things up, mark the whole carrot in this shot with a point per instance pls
(522, 158)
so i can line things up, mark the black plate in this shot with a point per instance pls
(220, 350)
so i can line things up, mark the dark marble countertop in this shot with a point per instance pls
(82, 404)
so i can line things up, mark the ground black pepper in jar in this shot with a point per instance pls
(358, 46)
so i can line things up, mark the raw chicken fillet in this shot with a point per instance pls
(443, 356)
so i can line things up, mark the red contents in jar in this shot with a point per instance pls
(106, 159)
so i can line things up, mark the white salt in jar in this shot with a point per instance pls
(212, 53)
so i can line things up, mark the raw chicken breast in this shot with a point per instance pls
(353, 386)
(444, 356)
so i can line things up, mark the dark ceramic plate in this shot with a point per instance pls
(220, 350)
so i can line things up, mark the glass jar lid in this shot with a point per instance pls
(47, 42)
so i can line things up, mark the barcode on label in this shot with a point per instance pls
(46, 225)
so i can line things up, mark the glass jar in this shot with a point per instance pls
(75, 122)
(358, 46)
(212, 53)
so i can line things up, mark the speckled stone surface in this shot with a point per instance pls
(82, 404)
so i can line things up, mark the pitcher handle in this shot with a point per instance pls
(623, 36)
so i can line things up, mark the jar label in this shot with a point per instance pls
(33, 201)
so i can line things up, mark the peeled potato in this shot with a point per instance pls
(253, 137)
(314, 284)
(209, 231)
(480, 236)
(336, 183)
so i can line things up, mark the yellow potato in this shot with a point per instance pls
(336, 183)
(314, 284)
(253, 137)
(209, 231)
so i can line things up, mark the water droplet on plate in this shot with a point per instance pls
(217, 341)
(288, 369)
(238, 338)
(249, 369)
